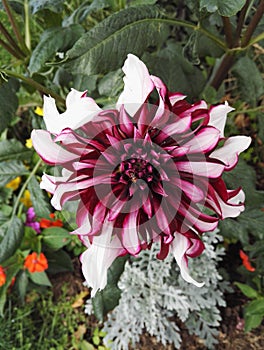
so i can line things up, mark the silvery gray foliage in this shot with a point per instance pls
(153, 293)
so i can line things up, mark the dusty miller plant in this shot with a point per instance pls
(153, 293)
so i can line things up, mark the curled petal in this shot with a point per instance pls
(179, 247)
(218, 116)
(80, 110)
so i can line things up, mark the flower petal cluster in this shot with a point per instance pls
(141, 172)
(31, 220)
(36, 262)
(45, 223)
(2, 276)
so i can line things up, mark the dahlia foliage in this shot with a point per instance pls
(148, 170)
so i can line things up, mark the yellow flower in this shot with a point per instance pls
(26, 199)
(29, 143)
(39, 111)
(14, 184)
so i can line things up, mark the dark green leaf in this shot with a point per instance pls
(10, 170)
(252, 321)
(52, 5)
(223, 7)
(11, 234)
(40, 204)
(55, 237)
(8, 103)
(111, 84)
(247, 290)
(52, 41)
(250, 88)
(40, 278)
(105, 47)
(59, 261)
(13, 149)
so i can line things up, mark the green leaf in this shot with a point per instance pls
(250, 89)
(2, 301)
(108, 298)
(223, 7)
(255, 307)
(105, 47)
(55, 237)
(22, 283)
(11, 234)
(10, 170)
(59, 261)
(111, 84)
(252, 321)
(52, 5)
(40, 204)
(84, 345)
(52, 41)
(8, 102)
(13, 149)
(96, 340)
(247, 290)
(40, 278)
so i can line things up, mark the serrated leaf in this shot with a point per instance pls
(8, 102)
(52, 41)
(13, 149)
(250, 89)
(11, 234)
(223, 7)
(40, 278)
(10, 170)
(247, 290)
(52, 5)
(41, 206)
(105, 47)
(252, 321)
(55, 237)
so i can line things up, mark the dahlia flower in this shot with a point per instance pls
(142, 173)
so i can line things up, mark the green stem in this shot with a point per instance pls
(15, 27)
(36, 85)
(23, 188)
(11, 41)
(250, 110)
(27, 27)
(256, 39)
(253, 24)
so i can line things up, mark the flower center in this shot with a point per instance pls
(133, 169)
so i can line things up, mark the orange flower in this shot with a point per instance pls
(246, 262)
(2, 276)
(36, 263)
(45, 223)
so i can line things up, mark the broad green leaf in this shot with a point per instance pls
(55, 237)
(8, 102)
(250, 81)
(252, 321)
(52, 5)
(11, 234)
(223, 7)
(107, 299)
(52, 41)
(59, 261)
(111, 84)
(40, 204)
(10, 170)
(255, 307)
(105, 47)
(13, 149)
(247, 290)
(84, 345)
(40, 278)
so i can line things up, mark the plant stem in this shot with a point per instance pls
(23, 188)
(36, 85)
(228, 31)
(11, 41)
(14, 25)
(250, 110)
(10, 50)
(27, 27)
(222, 71)
(240, 22)
(253, 24)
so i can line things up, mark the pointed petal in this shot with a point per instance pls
(218, 116)
(179, 246)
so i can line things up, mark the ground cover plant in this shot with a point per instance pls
(191, 52)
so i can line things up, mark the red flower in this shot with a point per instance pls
(45, 223)
(2, 276)
(36, 263)
(246, 262)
